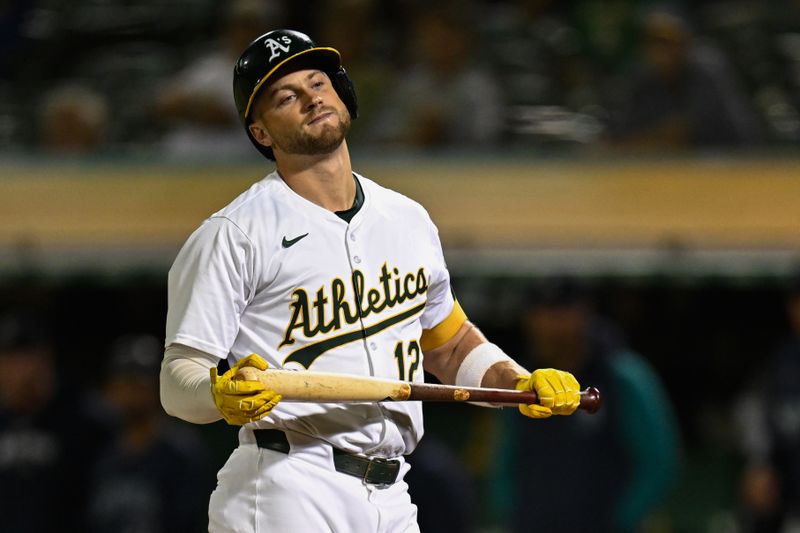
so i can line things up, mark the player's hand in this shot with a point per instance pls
(558, 391)
(242, 401)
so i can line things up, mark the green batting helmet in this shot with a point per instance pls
(275, 54)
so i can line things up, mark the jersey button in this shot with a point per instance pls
(356, 259)
(373, 346)
(352, 236)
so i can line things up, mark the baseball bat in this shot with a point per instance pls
(304, 386)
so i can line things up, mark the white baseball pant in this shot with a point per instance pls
(260, 490)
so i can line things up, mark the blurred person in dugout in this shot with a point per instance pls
(769, 421)
(154, 477)
(50, 433)
(74, 120)
(445, 98)
(608, 471)
(683, 92)
(194, 107)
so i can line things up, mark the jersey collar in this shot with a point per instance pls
(348, 214)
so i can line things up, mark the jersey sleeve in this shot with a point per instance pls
(210, 284)
(443, 315)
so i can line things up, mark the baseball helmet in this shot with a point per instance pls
(275, 54)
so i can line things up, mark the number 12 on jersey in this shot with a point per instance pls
(403, 356)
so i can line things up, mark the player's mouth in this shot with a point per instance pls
(325, 115)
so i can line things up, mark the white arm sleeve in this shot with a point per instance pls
(186, 384)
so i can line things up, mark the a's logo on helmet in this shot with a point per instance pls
(276, 48)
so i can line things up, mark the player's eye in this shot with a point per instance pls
(285, 100)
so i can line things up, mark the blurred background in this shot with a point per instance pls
(617, 187)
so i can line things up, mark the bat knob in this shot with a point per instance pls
(591, 400)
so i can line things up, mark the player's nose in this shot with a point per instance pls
(317, 101)
(313, 100)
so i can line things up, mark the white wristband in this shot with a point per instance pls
(477, 362)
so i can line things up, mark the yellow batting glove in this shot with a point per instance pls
(558, 391)
(242, 401)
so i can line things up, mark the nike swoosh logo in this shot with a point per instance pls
(287, 243)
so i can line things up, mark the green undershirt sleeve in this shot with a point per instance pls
(651, 436)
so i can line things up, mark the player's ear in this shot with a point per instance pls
(260, 133)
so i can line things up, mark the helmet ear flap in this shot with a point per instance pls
(346, 90)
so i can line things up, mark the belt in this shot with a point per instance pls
(376, 471)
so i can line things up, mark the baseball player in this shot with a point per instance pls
(317, 267)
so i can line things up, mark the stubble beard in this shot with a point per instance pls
(325, 142)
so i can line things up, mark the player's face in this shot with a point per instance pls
(301, 113)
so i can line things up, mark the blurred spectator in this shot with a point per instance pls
(684, 93)
(153, 478)
(607, 33)
(769, 418)
(614, 468)
(445, 98)
(763, 41)
(74, 120)
(526, 43)
(535, 52)
(196, 106)
(49, 434)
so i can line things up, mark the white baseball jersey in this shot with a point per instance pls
(277, 275)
